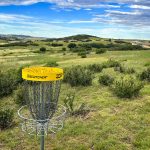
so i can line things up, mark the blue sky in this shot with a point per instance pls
(58, 18)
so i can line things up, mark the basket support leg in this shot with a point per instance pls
(42, 138)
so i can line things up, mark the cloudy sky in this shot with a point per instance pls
(59, 18)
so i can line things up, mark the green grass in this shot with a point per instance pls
(113, 123)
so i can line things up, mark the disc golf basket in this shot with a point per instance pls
(42, 114)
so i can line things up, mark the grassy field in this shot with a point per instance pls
(112, 124)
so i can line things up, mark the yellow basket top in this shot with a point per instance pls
(42, 74)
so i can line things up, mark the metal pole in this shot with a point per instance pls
(42, 115)
(42, 138)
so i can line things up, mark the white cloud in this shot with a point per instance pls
(139, 7)
(81, 21)
(136, 18)
(137, 15)
(20, 24)
(88, 9)
(123, 12)
(81, 3)
(61, 3)
(10, 18)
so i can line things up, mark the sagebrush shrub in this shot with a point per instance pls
(83, 56)
(77, 76)
(127, 87)
(19, 74)
(19, 96)
(42, 49)
(147, 64)
(145, 75)
(82, 53)
(6, 118)
(130, 70)
(95, 67)
(8, 82)
(100, 51)
(120, 69)
(111, 63)
(125, 70)
(106, 79)
(64, 49)
(51, 63)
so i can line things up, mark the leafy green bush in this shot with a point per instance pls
(19, 96)
(51, 63)
(8, 82)
(77, 76)
(6, 118)
(100, 51)
(106, 79)
(127, 87)
(145, 75)
(95, 67)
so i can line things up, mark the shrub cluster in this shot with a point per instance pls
(64, 49)
(8, 82)
(123, 69)
(72, 46)
(99, 67)
(42, 49)
(56, 44)
(111, 63)
(118, 46)
(127, 87)
(100, 51)
(19, 96)
(73, 109)
(77, 76)
(82, 54)
(86, 47)
(147, 64)
(145, 75)
(106, 79)
(6, 118)
(95, 67)
(51, 64)
(28, 43)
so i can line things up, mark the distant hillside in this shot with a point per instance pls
(74, 38)
(15, 37)
(80, 36)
